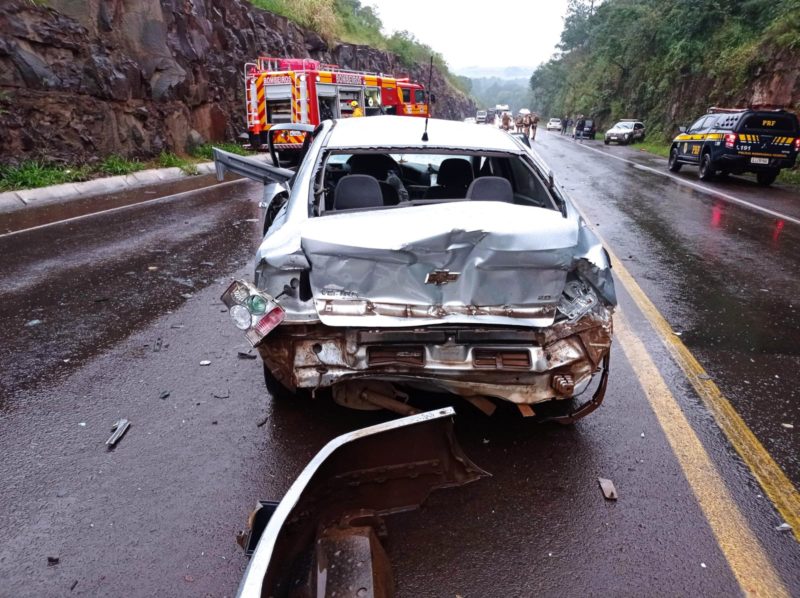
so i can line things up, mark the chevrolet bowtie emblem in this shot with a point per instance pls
(441, 277)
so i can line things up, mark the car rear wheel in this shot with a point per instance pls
(674, 165)
(767, 177)
(706, 170)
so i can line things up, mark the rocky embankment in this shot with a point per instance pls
(81, 79)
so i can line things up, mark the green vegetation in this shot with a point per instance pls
(490, 91)
(37, 173)
(205, 151)
(664, 61)
(350, 21)
(170, 160)
(790, 177)
(655, 146)
(34, 173)
(115, 165)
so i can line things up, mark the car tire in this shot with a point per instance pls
(674, 165)
(606, 141)
(766, 177)
(706, 168)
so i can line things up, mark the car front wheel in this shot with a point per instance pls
(767, 177)
(674, 165)
(605, 141)
(706, 170)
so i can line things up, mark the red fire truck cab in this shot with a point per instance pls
(301, 90)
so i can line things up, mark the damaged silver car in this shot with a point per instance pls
(396, 258)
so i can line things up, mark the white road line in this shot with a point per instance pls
(702, 188)
(126, 206)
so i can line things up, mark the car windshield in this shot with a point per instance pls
(376, 180)
(623, 126)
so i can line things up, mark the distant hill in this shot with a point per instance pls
(506, 72)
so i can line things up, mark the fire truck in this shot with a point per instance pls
(301, 90)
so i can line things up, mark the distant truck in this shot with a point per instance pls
(480, 116)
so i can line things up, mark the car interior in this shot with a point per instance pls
(377, 180)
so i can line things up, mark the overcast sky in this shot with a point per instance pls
(486, 34)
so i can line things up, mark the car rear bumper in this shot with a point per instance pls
(520, 365)
(740, 163)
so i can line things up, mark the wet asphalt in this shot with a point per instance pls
(127, 305)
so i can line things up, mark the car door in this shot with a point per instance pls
(638, 131)
(692, 141)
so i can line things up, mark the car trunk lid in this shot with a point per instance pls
(457, 262)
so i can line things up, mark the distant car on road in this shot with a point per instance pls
(480, 116)
(554, 124)
(589, 129)
(625, 131)
(734, 141)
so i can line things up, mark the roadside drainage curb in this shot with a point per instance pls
(12, 201)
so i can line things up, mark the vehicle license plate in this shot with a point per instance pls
(759, 160)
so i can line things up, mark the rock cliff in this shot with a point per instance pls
(81, 79)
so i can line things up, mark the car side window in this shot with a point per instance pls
(698, 124)
(638, 126)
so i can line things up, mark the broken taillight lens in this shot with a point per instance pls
(252, 310)
(730, 140)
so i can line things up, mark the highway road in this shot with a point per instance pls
(110, 315)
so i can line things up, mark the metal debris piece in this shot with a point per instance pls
(205, 362)
(783, 527)
(187, 295)
(52, 560)
(152, 268)
(607, 486)
(30, 323)
(526, 410)
(246, 354)
(119, 428)
(164, 394)
(788, 426)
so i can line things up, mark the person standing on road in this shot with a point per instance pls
(579, 128)
(526, 125)
(534, 124)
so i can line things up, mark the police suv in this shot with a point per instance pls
(737, 141)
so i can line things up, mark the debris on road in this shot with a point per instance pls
(74, 583)
(53, 560)
(783, 527)
(119, 428)
(205, 362)
(704, 377)
(247, 354)
(82, 424)
(30, 323)
(222, 393)
(788, 426)
(157, 345)
(642, 434)
(703, 565)
(164, 394)
(607, 486)
(152, 268)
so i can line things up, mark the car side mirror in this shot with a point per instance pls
(681, 129)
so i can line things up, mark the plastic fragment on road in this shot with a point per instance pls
(205, 362)
(246, 354)
(788, 426)
(30, 323)
(783, 527)
(607, 486)
(118, 431)
(53, 560)
(703, 565)
(164, 394)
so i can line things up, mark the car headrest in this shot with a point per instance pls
(357, 191)
(454, 172)
(490, 188)
(376, 165)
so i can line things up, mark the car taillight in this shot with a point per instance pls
(730, 140)
(797, 144)
(252, 310)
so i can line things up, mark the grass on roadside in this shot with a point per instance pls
(35, 173)
(205, 151)
(790, 176)
(115, 165)
(652, 146)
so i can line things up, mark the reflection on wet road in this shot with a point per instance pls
(724, 276)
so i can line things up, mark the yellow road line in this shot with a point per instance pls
(745, 555)
(773, 480)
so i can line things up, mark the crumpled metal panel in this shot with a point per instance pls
(507, 264)
(354, 479)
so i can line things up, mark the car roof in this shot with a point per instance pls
(406, 132)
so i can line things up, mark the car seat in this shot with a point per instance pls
(491, 188)
(356, 191)
(455, 175)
